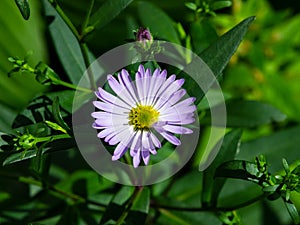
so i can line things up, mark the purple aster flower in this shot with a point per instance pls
(141, 111)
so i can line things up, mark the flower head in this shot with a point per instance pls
(143, 35)
(140, 111)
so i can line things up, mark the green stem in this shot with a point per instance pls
(87, 20)
(65, 19)
(134, 196)
(72, 86)
(51, 138)
(78, 36)
(209, 209)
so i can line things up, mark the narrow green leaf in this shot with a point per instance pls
(55, 126)
(66, 45)
(219, 53)
(20, 156)
(24, 8)
(57, 115)
(293, 211)
(108, 11)
(211, 187)
(216, 56)
(238, 169)
(242, 113)
(160, 24)
(285, 166)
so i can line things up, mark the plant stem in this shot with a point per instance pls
(209, 209)
(31, 181)
(87, 19)
(52, 138)
(78, 36)
(65, 19)
(72, 86)
(134, 196)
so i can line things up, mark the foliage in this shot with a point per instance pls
(252, 51)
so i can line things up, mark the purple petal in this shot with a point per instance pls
(136, 159)
(177, 129)
(119, 151)
(145, 156)
(141, 69)
(127, 83)
(171, 138)
(155, 140)
(120, 90)
(136, 143)
(124, 135)
(97, 126)
(187, 120)
(174, 98)
(107, 97)
(145, 140)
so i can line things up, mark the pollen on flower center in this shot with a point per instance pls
(142, 117)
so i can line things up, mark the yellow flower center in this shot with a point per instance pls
(142, 117)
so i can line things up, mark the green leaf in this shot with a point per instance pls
(121, 208)
(219, 53)
(285, 166)
(118, 204)
(66, 45)
(238, 169)
(211, 187)
(217, 56)
(203, 34)
(293, 211)
(108, 11)
(160, 24)
(24, 8)
(220, 5)
(241, 113)
(57, 115)
(140, 208)
(55, 126)
(275, 146)
(20, 156)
